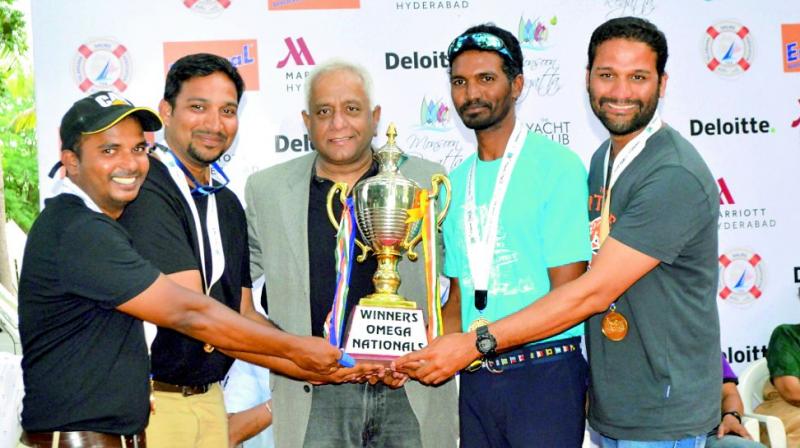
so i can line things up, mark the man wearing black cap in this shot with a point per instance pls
(517, 228)
(83, 290)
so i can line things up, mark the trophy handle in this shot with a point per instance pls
(437, 181)
(341, 187)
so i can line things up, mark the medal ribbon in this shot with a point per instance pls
(345, 241)
(427, 212)
(481, 245)
(212, 219)
(624, 158)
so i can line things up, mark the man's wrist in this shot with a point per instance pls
(735, 414)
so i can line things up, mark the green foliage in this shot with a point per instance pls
(18, 146)
(12, 41)
(17, 121)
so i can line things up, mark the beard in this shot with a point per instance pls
(615, 126)
(478, 122)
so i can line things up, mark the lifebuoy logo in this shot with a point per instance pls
(209, 8)
(741, 276)
(243, 54)
(279, 5)
(790, 33)
(728, 48)
(101, 64)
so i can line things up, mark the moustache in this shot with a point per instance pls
(472, 103)
(220, 135)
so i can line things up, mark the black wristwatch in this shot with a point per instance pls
(485, 342)
(733, 413)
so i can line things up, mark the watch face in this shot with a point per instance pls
(485, 345)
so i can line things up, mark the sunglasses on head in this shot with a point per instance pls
(483, 41)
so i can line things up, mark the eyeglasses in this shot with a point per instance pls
(483, 41)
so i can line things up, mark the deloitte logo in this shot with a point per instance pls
(535, 34)
(102, 64)
(741, 276)
(285, 143)
(728, 48)
(737, 126)
(416, 61)
(434, 115)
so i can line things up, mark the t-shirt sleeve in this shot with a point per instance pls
(664, 213)
(783, 355)
(154, 221)
(96, 261)
(565, 221)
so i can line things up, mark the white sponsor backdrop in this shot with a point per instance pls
(82, 45)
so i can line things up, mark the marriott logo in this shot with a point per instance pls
(298, 52)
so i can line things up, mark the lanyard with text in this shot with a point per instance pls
(615, 325)
(481, 245)
(620, 162)
(212, 220)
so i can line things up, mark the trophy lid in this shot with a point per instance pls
(389, 156)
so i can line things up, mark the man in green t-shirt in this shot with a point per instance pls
(517, 227)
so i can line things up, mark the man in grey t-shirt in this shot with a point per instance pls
(653, 328)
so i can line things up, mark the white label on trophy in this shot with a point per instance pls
(385, 333)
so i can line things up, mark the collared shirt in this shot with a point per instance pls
(322, 255)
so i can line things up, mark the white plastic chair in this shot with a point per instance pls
(11, 393)
(751, 385)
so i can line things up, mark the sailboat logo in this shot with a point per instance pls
(741, 276)
(102, 64)
(728, 48)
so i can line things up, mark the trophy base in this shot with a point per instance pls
(382, 334)
(386, 300)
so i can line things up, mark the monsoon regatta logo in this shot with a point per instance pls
(535, 34)
(434, 115)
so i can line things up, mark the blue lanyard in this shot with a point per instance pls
(200, 189)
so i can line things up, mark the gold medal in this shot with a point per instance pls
(479, 322)
(615, 326)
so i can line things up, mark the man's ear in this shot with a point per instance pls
(70, 160)
(376, 118)
(165, 111)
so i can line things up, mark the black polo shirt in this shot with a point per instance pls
(163, 231)
(85, 363)
(322, 255)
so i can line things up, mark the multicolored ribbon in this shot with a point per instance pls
(345, 239)
(427, 212)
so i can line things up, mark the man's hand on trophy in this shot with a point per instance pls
(440, 360)
(315, 355)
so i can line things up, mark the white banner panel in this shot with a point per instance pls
(733, 90)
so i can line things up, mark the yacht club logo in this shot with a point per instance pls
(741, 276)
(728, 48)
(101, 64)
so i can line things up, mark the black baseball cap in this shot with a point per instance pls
(99, 112)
